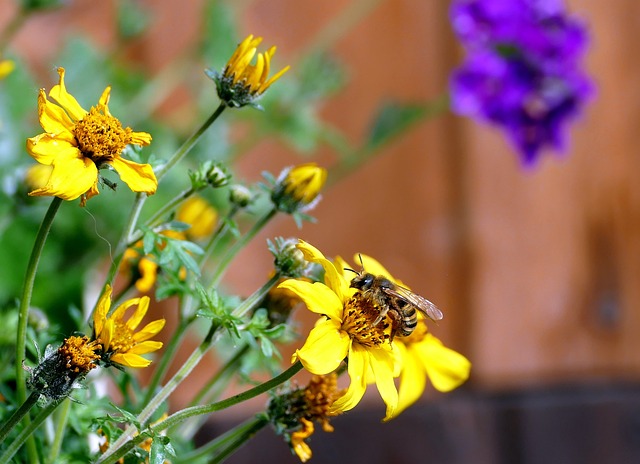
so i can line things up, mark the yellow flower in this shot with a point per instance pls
(200, 215)
(120, 341)
(78, 143)
(241, 82)
(422, 355)
(298, 188)
(6, 67)
(38, 175)
(347, 331)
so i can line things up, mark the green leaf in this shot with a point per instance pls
(161, 449)
(392, 119)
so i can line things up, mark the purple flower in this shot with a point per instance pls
(522, 70)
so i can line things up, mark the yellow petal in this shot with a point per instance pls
(118, 314)
(138, 314)
(102, 308)
(274, 78)
(149, 330)
(53, 119)
(107, 333)
(412, 380)
(103, 102)
(46, 148)
(358, 364)
(446, 368)
(66, 100)
(6, 67)
(145, 347)
(318, 298)
(139, 177)
(325, 348)
(148, 272)
(139, 138)
(69, 179)
(332, 277)
(130, 360)
(382, 364)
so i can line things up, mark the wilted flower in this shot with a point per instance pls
(121, 344)
(61, 369)
(292, 414)
(242, 83)
(347, 331)
(78, 143)
(522, 71)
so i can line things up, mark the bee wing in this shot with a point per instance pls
(420, 303)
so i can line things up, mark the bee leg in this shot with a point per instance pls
(382, 315)
(396, 324)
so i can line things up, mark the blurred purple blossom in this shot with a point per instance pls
(522, 70)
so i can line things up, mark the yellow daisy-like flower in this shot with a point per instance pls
(120, 341)
(241, 82)
(200, 215)
(6, 67)
(347, 332)
(77, 143)
(422, 354)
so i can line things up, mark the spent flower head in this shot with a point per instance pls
(78, 143)
(121, 343)
(289, 261)
(347, 330)
(242, 83)
(292, 414)
(61, 370)
(522, 71)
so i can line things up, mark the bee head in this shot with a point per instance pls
(362, 281)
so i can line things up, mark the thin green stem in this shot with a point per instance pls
(226, 444)
(187, 431)
(25, 302)
(247, 305)
(26, 433)
(239, 245)
(19, 413)
(129, 227)
(12, 28)
(189, 143)
(61, 427)
(228, 366)
(217, 235)
(166, 358)
(186, 413)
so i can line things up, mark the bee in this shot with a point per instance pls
(394, 300)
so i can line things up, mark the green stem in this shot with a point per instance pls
(247, 305)
(189, 143)
(130, 226)
(217, 235)
(12, 28)
(26, 433)
(61, 427)
(186, 413)
(226, 444)
(239, 245)
(187, 431)
(166, 358)
(25, 302)
(230, 364)
(19, 413)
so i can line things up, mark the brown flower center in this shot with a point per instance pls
(360, 313)
(101, 137)
(79, 353)
(319, 395)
